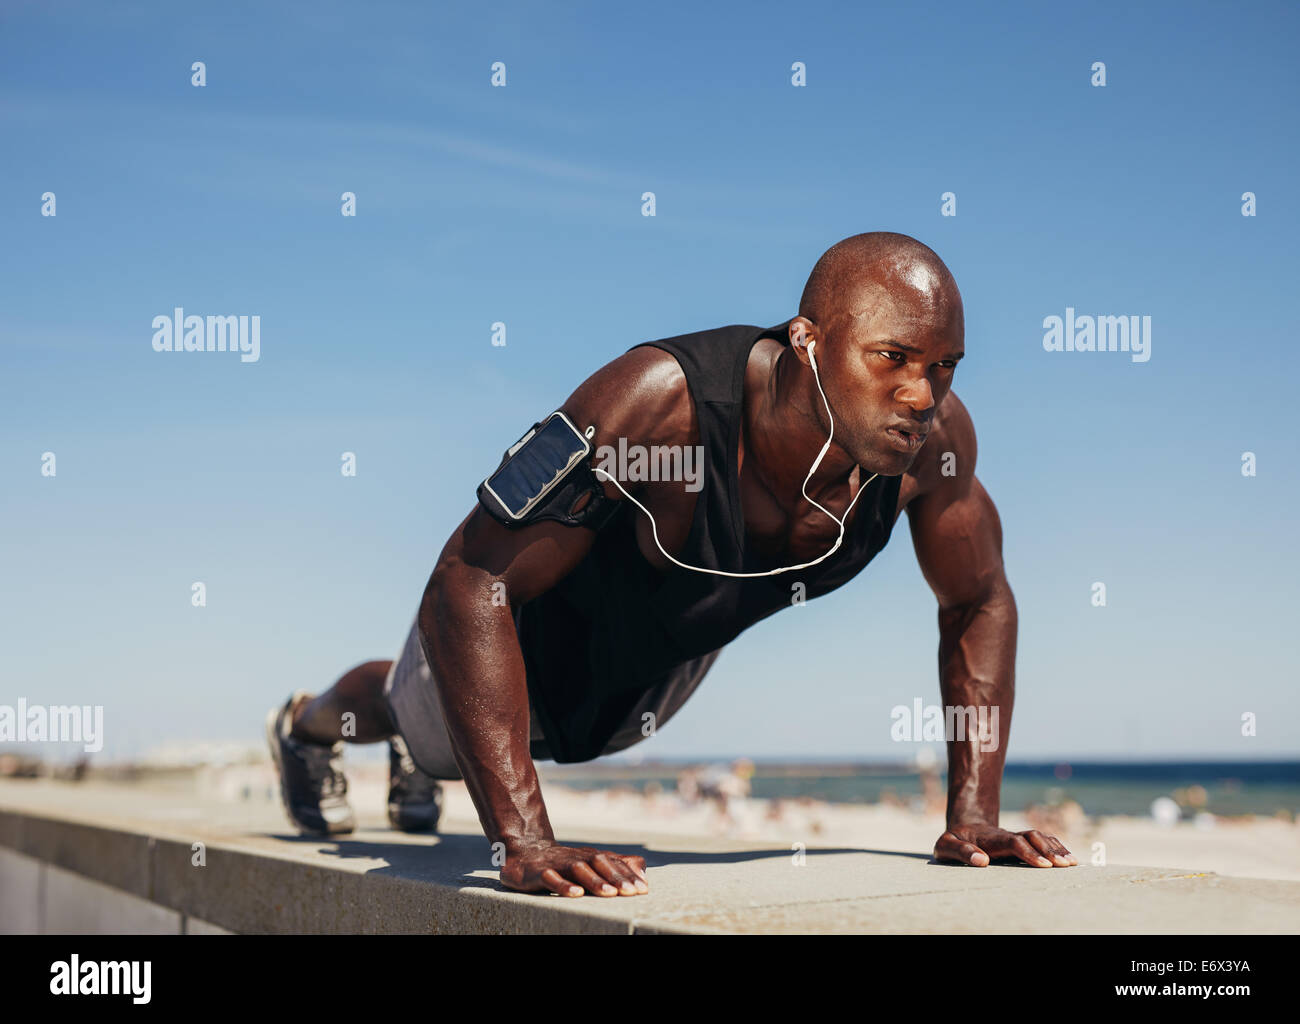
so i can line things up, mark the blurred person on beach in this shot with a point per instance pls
(578, 623)
(1063, 816)
(724, 784)
(688, 786)
(932, 799)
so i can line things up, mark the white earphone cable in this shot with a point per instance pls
(820, 455)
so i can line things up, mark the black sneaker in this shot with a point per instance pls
(414, 799)
(312, 783)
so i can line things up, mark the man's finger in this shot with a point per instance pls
(639, 881)
(950, 847)
(1045, 845)
(639, 871)
(974, 856)
(592, 882)
(1022, 848)
(616, 873)
(1058, 848)
(1049, 847)
(558, 884)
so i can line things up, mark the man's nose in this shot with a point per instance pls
(917, 394)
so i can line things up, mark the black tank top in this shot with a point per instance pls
(615, 628)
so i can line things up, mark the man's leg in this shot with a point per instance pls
(307, 735)
(359, 693)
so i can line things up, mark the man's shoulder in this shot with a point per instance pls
(955, 428)
(641, 395)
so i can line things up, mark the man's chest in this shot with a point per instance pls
(790, 538)
(772, 533)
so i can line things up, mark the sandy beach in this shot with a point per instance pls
(1246, 847)
(1253, 847)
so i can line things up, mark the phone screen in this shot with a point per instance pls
(544, 458)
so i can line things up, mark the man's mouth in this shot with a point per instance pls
(905, 440)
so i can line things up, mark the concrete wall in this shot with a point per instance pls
(40, 899)
(86, 858)
(61, 875)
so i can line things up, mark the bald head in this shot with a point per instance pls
(886, 318)
(864, 270)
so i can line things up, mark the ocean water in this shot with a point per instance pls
(1101, 788)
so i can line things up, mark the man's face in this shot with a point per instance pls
(886, 363)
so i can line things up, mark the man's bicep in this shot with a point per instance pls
(529, 560)
(958, 540)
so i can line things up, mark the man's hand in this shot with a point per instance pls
(976, 845)
(569, 870)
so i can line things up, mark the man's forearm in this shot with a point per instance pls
(977, 665)
(473, 650)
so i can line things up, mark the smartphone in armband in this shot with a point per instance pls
(535, 465)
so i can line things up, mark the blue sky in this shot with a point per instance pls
(522, 204)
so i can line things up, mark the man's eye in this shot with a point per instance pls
(890, 356)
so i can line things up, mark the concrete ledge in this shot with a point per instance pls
(91, 857)
(38, 898)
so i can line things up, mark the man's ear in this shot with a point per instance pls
(798, 335)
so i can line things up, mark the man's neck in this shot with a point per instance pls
(785, 433)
